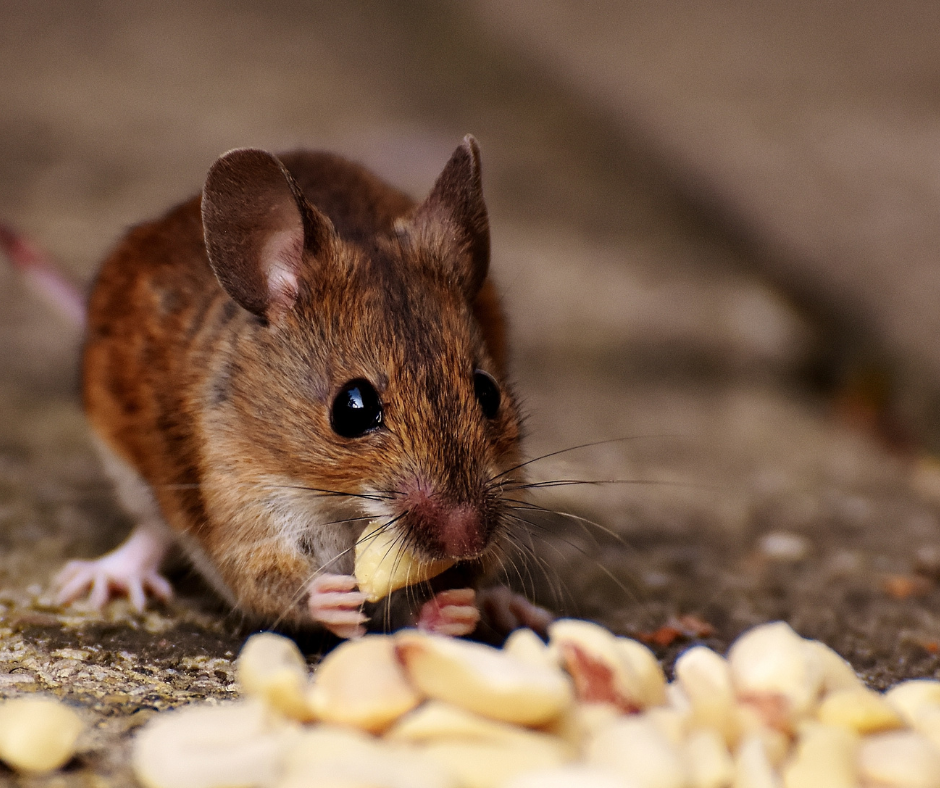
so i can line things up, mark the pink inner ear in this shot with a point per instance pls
(281, 258)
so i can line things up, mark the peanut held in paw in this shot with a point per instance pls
(384, 565)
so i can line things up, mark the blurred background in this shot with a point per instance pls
(715, 225)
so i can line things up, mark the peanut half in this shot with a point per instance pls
(271, 667)
(362, 684)
(37, 734)
(384, 564)
(605, 668)
(483, 679)
(235, 744)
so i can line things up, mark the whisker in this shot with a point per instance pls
(627, 591)
(575, 448)
(348, 520)
(379, 495)
(580, 521)
(398, 544)
(556, 585)
(527, 582)
(598, 482)
(583, 521)
(561, 594)
(382, 496)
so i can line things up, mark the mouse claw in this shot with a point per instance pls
(453, 612)
(335, 603)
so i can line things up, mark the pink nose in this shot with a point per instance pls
(460, 531)
(455, 530)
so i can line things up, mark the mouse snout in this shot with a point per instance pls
(460, 532)
(449, 530)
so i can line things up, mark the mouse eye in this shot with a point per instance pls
(487, 393)
(356, 409)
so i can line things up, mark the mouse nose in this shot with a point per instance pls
(452, 530)
(460, 532)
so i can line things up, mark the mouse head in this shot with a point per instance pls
(373, 364)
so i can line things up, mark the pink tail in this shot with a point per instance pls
(45, 278)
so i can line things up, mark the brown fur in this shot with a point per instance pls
(220, 395)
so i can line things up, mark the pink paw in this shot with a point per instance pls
(131, 569)
(508, 610)
(108, 577)
(452, 612)
(337, 605)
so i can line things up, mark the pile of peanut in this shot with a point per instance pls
(590, 709)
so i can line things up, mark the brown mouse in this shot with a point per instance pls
(298, 351)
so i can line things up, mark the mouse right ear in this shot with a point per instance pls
(257, 226)
(456, 205)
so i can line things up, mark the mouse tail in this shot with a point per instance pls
(44, 276)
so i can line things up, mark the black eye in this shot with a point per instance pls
(487, 393)
(356, 409)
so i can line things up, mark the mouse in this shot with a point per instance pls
(297, 352)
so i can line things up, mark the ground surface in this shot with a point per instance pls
(640, 307)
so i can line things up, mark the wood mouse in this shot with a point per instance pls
(299, 351)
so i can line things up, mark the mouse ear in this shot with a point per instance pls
(257, 225)
(456, 203)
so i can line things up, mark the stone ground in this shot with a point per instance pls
(681, 273)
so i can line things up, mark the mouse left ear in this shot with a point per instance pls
(258, 226)
(455, 205)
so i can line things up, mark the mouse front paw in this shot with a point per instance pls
(336, 603)
(452, 612)
(129, 570)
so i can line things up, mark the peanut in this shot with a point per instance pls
(384, 564)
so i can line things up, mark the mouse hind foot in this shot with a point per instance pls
(131, 570)
(506, 611)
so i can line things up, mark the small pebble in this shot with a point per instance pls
(784, 546)
(927, 561)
